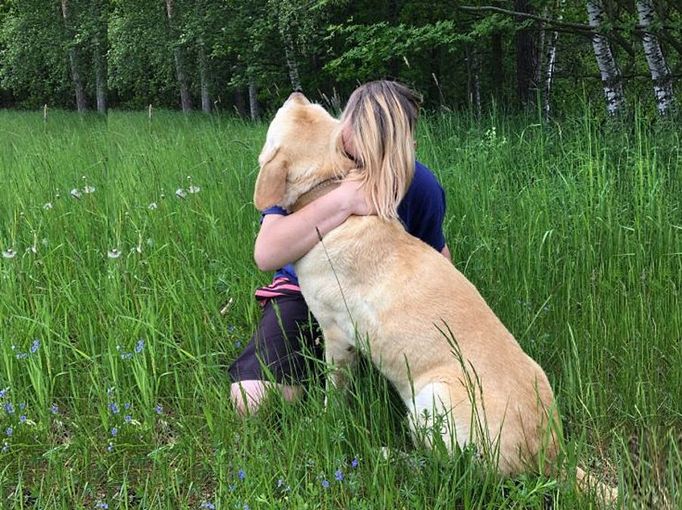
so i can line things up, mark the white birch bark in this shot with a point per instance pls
(292, 65)
(660, 72)
(611, 77)
(203, 80)
(178, 56)
(254, 107)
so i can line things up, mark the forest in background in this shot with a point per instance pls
(244, 57)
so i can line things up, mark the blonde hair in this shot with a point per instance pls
(382, 116)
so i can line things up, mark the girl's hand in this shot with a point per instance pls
(351, 192)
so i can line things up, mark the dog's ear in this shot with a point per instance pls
(272, 178)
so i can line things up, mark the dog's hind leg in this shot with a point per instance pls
(432, 414)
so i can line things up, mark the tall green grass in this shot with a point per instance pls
(113, 348)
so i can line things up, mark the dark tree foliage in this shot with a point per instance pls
(236, 56)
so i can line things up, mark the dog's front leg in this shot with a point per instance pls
(339, 355)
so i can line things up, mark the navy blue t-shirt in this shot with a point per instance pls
(421, 210)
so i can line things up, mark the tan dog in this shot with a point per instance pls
(376, 289)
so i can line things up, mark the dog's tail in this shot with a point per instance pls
(606, 493)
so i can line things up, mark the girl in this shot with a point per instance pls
(377, 132)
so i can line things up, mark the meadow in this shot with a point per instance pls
(126, 288)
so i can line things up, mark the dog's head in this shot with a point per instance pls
(299, 153)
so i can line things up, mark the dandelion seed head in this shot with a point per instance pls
(5, 447)
(194, 189)
(110, 447)
(9, 253)
(114, 253)
(75, 193)
(88, 189)
(152, 206)
(32, 249)
(180, 193)
(47, 206)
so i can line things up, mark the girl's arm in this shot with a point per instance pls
(285, 239)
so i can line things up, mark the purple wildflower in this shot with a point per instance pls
(207, 505)
(158, 409)
(22, 406)
(354, 463)
(9, 408)
(54, 409)
(338, 475)
(3, 392)
(102, 505)
(241, 474)
(128, 418)
(9, 431)
(114, 432)
(35, 346)
(113, 407)
(127, 405)
(22, 418)
(325, 484)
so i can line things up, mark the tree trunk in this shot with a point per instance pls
(526, 58)
(203, 79)
(660, 72)
(292, 65)
(474, 78)
(100, 82)
(81, 103)
(254, 107)
(99, 55)
(611, 76)
(497, 65)
(549, 74)
(178, 56)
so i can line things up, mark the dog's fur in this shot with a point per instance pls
(376, 289)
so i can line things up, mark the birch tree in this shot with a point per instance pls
(611, 77)
(658, 67)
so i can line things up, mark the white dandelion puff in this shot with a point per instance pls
(75, 193)
(88, 189)
(136, 249)
(194, 189)
(32, 249)
(114, 254)
(153, 206)
(9, 253)
(180, 193)
(47, 206)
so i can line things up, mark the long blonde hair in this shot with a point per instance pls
(382, 116)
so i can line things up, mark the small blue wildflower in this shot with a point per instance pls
(9, 408)
(325, 484)
(232, 487)
(114, 431)
(54, 409)
(22, 406)
(126, 356)
(102, 505)
(238, 344)
(128, 418)
(241, 474)
(246, 507)
(139, 346)
(207, 505)
(22, 418)
(158, 409)
(338, 475)
(3, 392)
(113, 407)
(354, 463)
(9, 431)
(35, 346)
(127, 405)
